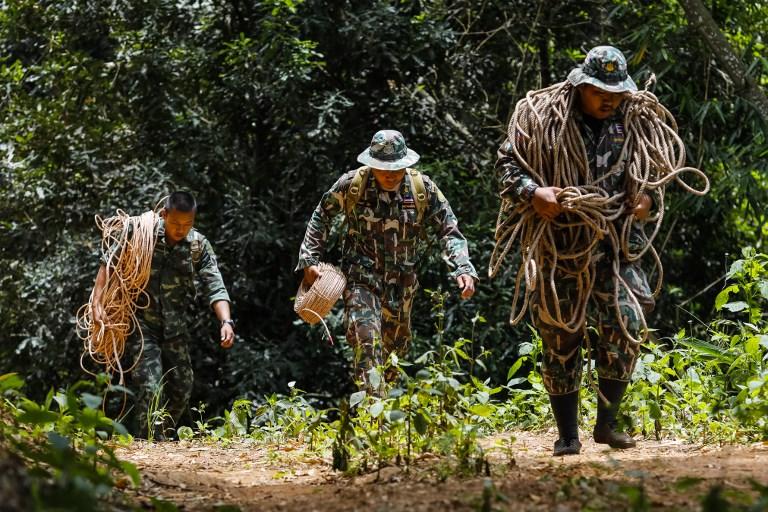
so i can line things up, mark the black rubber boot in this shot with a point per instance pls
(565, 408)
(605, 427)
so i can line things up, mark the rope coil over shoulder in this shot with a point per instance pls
(127, 245)
(547, 144)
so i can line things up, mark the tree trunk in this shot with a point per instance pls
(701, 20)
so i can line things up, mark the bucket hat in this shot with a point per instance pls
(388, 152)
(606, 68)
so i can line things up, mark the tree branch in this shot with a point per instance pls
(700, 19)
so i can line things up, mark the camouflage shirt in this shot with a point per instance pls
(384, 235)
(171, 287)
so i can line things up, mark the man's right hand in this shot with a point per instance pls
(311, 273)
(545, 202)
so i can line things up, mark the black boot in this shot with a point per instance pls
(565, 408)
(606, 424)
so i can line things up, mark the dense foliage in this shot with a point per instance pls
(256, 107)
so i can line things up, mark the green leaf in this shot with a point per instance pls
(38, 417)
(735, 307)
(762, 286)
(59, 442)
(91, 401)
(356, 398)
(394, 415)
(374, 378)
(376, 409)
(516, 366)
(420, 422)
(654, 411)
(752, 345)
(132, 471)
(482, 410)
(185, 433)
(722, 297)
(10, 381)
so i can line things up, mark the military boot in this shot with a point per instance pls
(565, 408)
(605, 427)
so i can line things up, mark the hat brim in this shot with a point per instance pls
(578, 77)
(410, 158)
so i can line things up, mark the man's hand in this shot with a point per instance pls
(227, 335)
(545, 202)
(311, 273)
(643, 207)
(466, 285)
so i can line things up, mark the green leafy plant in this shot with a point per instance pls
(64, 443)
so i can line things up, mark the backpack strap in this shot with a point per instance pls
(420, 194)
(356, 190)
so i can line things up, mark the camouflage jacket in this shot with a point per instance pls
(172, 288)
(383, 236)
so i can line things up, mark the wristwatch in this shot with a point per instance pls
(230, 322)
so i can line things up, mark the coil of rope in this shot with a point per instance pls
(127, 245)
(547, 144)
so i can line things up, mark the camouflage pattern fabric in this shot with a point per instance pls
(167, 362)
(562, 360)
(171, 286)
(378, 320)
(561, 365)
(380, 255)
(604, 67)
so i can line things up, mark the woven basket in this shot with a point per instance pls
(315, 302)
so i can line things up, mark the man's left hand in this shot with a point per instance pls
(466, 285)
(227, 336)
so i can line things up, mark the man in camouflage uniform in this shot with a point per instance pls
(601, 84)
(383, 233)
(181, 255)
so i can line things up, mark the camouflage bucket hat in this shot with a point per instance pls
(606, 68)
(388, 152)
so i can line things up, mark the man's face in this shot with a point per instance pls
(388, 180)
(598, 103)
(177, 225)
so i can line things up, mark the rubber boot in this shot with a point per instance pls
(565, 408)
(605, 427)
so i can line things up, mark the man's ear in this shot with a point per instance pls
(163, 213)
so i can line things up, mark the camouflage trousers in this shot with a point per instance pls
(378, 318)
(162, 380)
(615, 354)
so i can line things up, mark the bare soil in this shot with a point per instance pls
(657, 475)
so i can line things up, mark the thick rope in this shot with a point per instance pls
(548, 145)
(127, 245)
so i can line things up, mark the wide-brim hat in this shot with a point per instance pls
(606, 68)
(388, 152)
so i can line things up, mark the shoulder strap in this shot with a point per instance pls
(356, 190)
(419, 192)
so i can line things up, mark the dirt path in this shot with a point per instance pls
(524, 476)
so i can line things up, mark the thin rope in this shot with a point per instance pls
(127, 245)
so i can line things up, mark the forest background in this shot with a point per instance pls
(257, 107)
